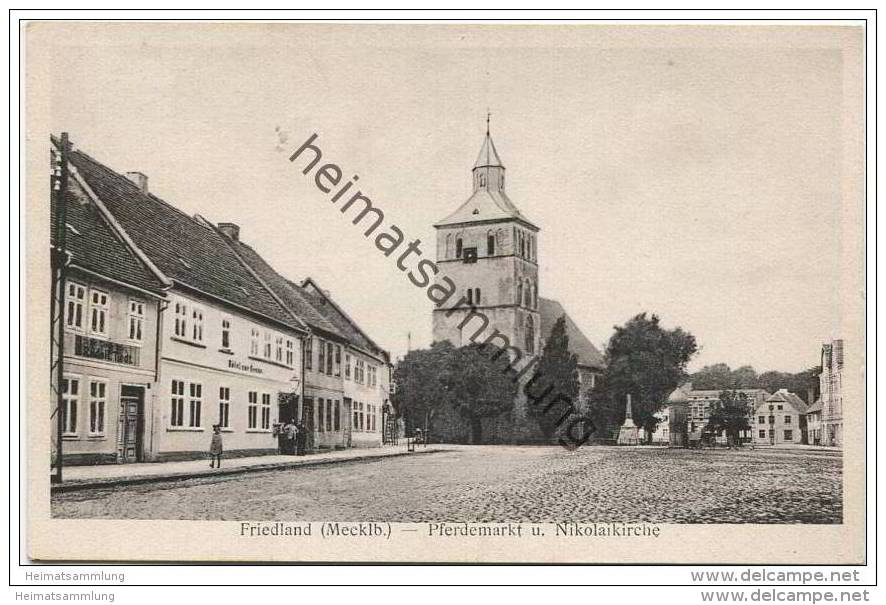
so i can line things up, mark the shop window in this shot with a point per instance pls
(321, 414)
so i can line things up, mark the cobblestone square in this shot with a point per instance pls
(503, 483)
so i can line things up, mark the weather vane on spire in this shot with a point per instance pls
(488, 115)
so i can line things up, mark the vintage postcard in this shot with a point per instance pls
(452, 292)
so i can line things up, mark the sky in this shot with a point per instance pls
(694, 174)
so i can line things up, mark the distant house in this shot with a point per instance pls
(781, 419)
(696, 406)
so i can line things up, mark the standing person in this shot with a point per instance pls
(291, 437)
(215, 447)
(300, 438)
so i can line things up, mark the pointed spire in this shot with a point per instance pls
(488, 155)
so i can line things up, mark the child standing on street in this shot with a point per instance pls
(215, 447)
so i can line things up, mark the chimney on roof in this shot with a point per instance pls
(140, 179)
(810, 395)
(230, 230)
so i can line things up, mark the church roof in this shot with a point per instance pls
(488, 155)
(485, 205)
(550, 311)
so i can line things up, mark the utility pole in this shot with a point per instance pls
(59, 263)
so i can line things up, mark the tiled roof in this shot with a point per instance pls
(316, 309)
(550, 311)
(783, 395)
(685, 391)
(192, 254)
(93, 244)
(294, 297)
(324, 303)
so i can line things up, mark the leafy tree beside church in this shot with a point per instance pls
(553, 390)
(442, 383)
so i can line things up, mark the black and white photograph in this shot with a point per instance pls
(446, 292)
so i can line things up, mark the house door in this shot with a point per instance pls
(307, 418)
(131, 424)
(346, 421)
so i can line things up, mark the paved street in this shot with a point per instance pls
(503, 483)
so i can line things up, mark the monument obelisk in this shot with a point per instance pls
(629, 434)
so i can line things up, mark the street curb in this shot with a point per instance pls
(136, 480)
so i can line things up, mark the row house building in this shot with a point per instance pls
(688, 412)
(346, 374)
(193, 333)
(781, 419)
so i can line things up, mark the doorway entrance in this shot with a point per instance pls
(346, 422)
(307, 418)
(130, 424)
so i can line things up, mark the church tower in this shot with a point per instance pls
(489, 250)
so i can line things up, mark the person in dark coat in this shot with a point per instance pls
(215, 447)
(301, 438)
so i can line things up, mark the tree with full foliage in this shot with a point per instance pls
(730, 415)
(475, 381)
(720, 377)
(553, 391)
(480, 383)
(421, 390)
(649, 362)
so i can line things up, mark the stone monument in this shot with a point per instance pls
(629, 434)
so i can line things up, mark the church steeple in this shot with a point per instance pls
(489, 172)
